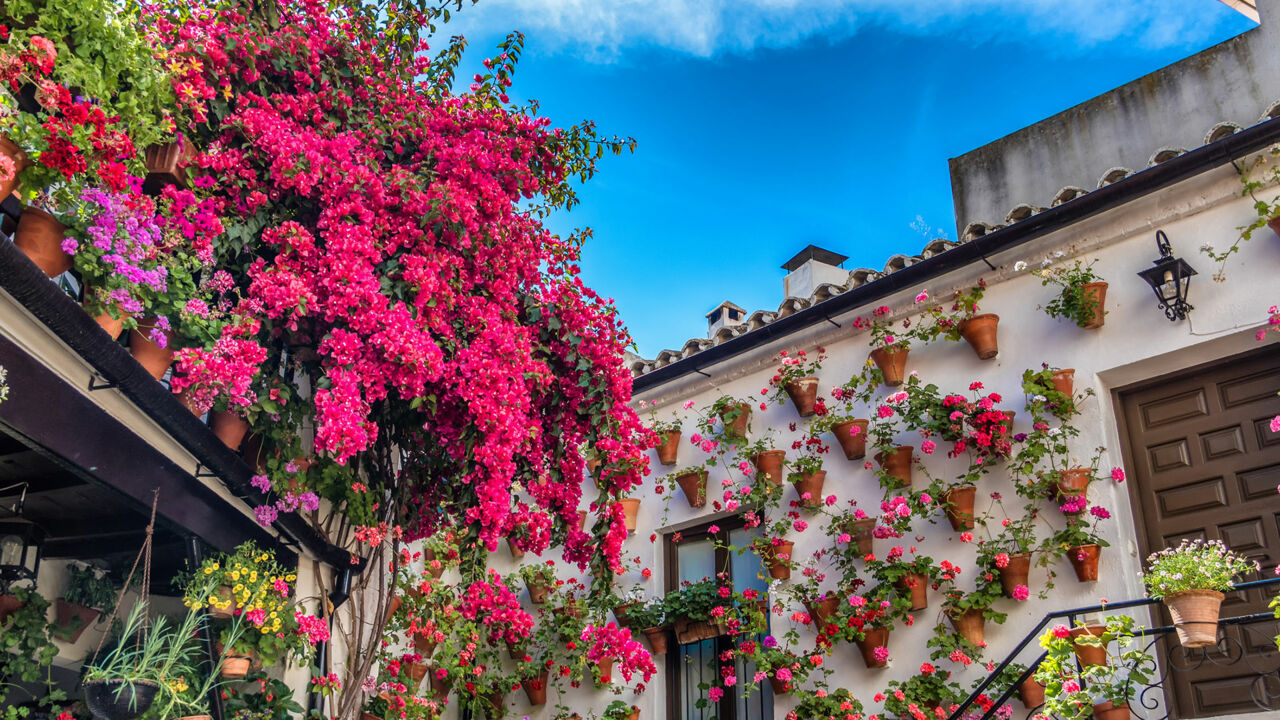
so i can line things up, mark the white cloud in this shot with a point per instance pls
(602, 29)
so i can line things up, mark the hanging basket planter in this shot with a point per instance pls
(872, 639)
(779, 569)
(694, 485)
(852, 442)
(958, 503)
(810, 484)
(670, 447)
(1084, 560)
(918, 584)
(892, 363)
(768, 465)
(40, 237)
(20, 162)
(1195, 616)
(1093, 296)
(970, 624)
(439, 686)
(166, 164)
(897, 462)
(119, 699)
(1015, 573)
(804, 393)
(630, 510)
(657, 637)
(691, 631)
(1089, 654)
(424, 645)
(780, 687)
(980, 332)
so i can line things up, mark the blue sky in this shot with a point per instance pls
(765, 125)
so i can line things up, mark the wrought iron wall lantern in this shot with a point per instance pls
(1170, 278)
(21, 542)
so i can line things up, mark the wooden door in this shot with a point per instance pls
(1205, 464)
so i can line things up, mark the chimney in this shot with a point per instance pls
(726, 314)
(810, 268)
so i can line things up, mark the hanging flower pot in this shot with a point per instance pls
(235, 667)
(897, 462)
(872, 639)
(416, 672)
(852, 442)
(516, 553)
(622, 612)
(1074, 482)
(892, 362)
(72, 619)
(396, 603)
(980, 332)
(147, 352)
(166, 164)
(535, 688)
(605, 668)
(593, 464)
(19, 160)
(424, 645)
(862, 532)
(439, 686)
(657, 637)
(539, 587)
(1015, 573)
(630, 509)
(958, 503)
(1031, 693)
(225, 597)
(111, 324)
(1195, 616)
(694, 485)
(1064, 381)
(229, 427)
(582, 519)
(779, 569)
(1110, 711)
(40, 237)
(691, 631)
(810, 484)
(1093, 296)
(669, 448)
(741, 413)
(822, 609)
(1089, 654)
(1084, 560)
(804, 393)
(497, 702)
(768, 465)
(119, 699)
(970, 624)
(918, 584)
(430, 564)
(780, 687)
(9, 604)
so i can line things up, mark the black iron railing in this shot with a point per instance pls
(1264, 690)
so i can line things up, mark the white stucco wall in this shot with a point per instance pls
(1136, 343)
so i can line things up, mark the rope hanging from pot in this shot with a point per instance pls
(144, 595)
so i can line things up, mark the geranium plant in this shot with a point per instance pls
(930, 694)
(1074, 302)
(1072, 693)
(1195, 564)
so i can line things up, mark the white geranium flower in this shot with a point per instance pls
(1020, 266)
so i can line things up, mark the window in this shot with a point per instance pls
(693, 668)
(733, 314)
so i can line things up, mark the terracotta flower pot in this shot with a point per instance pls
(497, 704)
(657, 637)
(1094, 297)
(871, 640)
(439, 687)
(622, 612)
(822, 609)
(970, 624)
(582, 519)
(396, 603)
(111, 325)
(779, 569)
(1274, 224)
(40, 237)
(853, 443)
(738, 426)
(1110, 711)
(9, 605)
(538, 589)
(892, 363)
(811, 483)
(768, 465)
(166, 164)
(1089, 654)
(780, 687)
(897, 462)
(804, 393)
(980, 332)
(958, 503)
(516, 553)
(74, 619)
(1074, 482)
(918, 584)
(223, 593)
(1195, 616)
(1064, 381)
(1031, 693)
(229, 427)
(147, 352)
(634, 714)
(416, 672)
(593, 464)
(669, 448)
(430, 565)
(1015, 573)
(694, 485)
(1084, 560)
(235, 667)
(605, 666)
(424, 645)
(20, 162)
(691, 631)
(630, 509)
(535, 688)
(862, 533)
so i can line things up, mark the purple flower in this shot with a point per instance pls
(266, 514)
(261, 483)
(769, 642)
